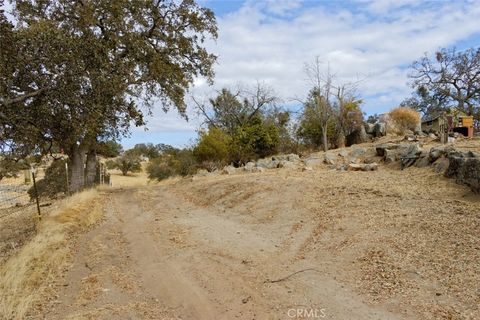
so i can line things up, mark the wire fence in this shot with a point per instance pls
(32, 194)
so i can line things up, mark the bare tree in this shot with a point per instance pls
(321, 95)
(234, 108)
(328, 101)
(452, 77)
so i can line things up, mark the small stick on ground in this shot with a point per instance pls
(290, 275)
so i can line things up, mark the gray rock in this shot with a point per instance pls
(422, 162)
(287, 165)
(370, 128)
(437, 152)
(330, 158)
(267, 163)
(380, 129)
(313, 162)
(344, 153)
(390, 155)
(465, 168)
(357, 152)
(293, 157)
(381, 148)
(229, 170)
(441, 165)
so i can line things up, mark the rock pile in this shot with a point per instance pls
(464, 167)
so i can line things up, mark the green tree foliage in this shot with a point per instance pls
(253, 140)
(109, 149)
(128, 162)
(243, 124)
(54, 182)
(212, 149)
(10, 167)
(451, 79)
(81, 70)
(172, 163)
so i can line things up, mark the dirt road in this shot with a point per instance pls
(273, 246)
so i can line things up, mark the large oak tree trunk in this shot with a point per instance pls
(91, 168)
(77, 169)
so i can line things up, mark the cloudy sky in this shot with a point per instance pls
(271, 40)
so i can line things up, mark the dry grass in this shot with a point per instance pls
(25, 277)
(131, 179)
(403, 119)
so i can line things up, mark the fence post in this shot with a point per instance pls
(66, 180)
(36, 195)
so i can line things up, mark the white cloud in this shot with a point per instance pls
(272, 40)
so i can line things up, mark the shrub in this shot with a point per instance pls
(128, 162)
(252, 141)
(403, 119)
(54, 182)
(212, 150)
(161, 168)
(179, 162)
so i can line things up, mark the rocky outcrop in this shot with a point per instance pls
(464, 167)
(380, 130)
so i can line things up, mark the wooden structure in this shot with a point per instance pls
(448, 122)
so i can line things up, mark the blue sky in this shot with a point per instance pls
(271, 40)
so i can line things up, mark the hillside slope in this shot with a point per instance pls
(384, 244)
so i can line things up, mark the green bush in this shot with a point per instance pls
(162, 167)
(128, 162)
(179, 162)
(252, 141)
(212, 150)
(54, 182)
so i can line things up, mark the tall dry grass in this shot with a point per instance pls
(26, 276)
(402, 119)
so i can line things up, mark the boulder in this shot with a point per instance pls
(313, 162)
(307, 168)
(287, 165)
(408, 154)
(409, 150)
(370, 128)
(422, 162)
(390, 155)
(437, 152)
(380, 129)
(344, 153)
(267, 163)
(441, 165)
(330, 158)
(293, 157)
(229, 170)
(381, 148)
(249, 166)
(465, 168)
(357, 152)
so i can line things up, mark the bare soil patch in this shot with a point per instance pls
(387, 244)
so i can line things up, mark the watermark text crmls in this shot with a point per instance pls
(306, 313)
